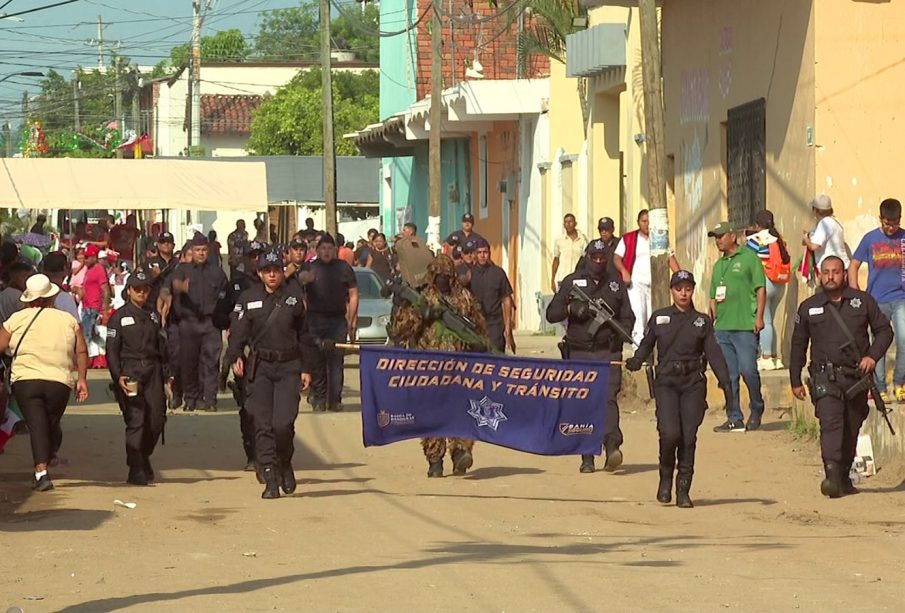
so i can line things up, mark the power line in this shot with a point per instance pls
(39, 8)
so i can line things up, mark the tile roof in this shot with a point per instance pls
(228, 114)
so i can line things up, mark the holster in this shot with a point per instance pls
(563, 349)
(650, 373)
(822, 384)
(251, 366)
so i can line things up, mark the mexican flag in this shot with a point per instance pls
(13, 416)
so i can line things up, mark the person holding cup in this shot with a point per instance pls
(136, 357)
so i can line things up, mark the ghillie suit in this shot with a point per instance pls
(420, 326)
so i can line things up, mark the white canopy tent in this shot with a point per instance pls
(80, 184)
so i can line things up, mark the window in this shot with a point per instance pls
(746, 157)
(369, 284)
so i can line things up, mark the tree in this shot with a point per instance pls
(53, 106)
(294, 33)
(224, 46)
(547, 23)
(291, 122)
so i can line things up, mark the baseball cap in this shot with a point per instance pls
(468, 217)
(166, 237)
(92, 250)
(724, 227)
(137, 278)
(255, 247)
(199, 240)
(822, 203)
(469, 247)
(681, 276)
(271, 257)
(606, 223)
(298, 243)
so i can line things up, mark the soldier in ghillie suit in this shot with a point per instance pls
(420, 326)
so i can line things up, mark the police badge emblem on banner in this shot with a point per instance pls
(547, 407)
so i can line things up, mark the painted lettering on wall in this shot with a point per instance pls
(693, 192)
(695, 96)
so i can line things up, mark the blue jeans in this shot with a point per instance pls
(740, 350)
(775, 292)
(896, 313)
(89, 323)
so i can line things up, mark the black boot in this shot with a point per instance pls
(435, 469)
(831, 486)
(462, 461)
(683, 487)
(137, 476)
(271, 483)
(587, 463)
(146, 465)
(249, 465)
(664, 490)
(259, 473)
(848, 488)
(613, 460)
(288, 476)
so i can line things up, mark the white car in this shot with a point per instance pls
(373, 309)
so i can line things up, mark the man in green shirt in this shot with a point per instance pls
(737, 298)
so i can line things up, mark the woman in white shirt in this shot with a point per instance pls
(828, 237)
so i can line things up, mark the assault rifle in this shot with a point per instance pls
(443, 311)
(866, 383)
(601, 312)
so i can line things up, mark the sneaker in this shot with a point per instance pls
(900, 393)
(765, 364)
(777, 364)
(885, 397)
(753, 423)
(730, 426)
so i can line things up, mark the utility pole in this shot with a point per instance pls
(196, 74)
(434, 178)
(118, 102)
(654, 130)
(189, 115)
(100, 43)
(329, 145)
(77, 122)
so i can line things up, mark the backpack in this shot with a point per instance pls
(776, 270)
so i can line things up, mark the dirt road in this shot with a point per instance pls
(367, 531)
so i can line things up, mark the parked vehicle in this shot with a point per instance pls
(373, 309)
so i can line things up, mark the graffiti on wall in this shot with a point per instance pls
(693, 193)
(695, 105)
(727, 36)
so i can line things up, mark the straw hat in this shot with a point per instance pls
(38, 286)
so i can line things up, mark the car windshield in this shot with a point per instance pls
(368, 284)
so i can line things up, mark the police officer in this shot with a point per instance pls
(332, 296)
(467, 233)
(242, 279)
(169, 319)
(685, 344)
(136, 357)
(836, 322)
(491, 287)
(197, 287)
(271, 323)
(606, 342)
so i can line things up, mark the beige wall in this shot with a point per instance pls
(740, 52)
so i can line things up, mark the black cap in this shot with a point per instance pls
(468, 217)
(481, 243)
(326, 239)
(457, 252)
(597, 246)
(469, 247)
(271, 257)
(606, 223)
(298, 243)
(682, 276)
(166, 237)
(139, 277)
(199, 240)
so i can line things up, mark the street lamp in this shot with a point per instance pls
(24, 73)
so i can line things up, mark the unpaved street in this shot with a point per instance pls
(367, 531)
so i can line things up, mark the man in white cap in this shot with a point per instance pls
(827, 238)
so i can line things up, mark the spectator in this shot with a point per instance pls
(343, 251)
(214, 256)
(409, 229)
(381, 258)
(101, 232)
(567, 250)
(38, 228)
(124, 237)
(774, 255)
(260, 230)
(882, 250)
(737, 299)
(95, 293)
(55, 265)
(632, 260)
(43, 355)
(309, 233)
(19, 272)
(828, 237)
(235, 244)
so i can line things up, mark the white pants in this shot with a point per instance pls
(639, 298)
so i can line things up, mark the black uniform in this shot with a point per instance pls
(279, 352)
(460, 238)
(327, 296)
(685, 344)
(200, 340)
(610, 251)
(605, 345)
(164, 272)
(490, 286)
(136, 349)
(833, 370)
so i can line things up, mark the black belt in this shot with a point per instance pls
(834, 369)
(269, 355)
(589, 346)
(680, 367)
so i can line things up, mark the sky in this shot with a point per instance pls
(65, 37)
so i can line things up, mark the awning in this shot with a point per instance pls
(109, 184)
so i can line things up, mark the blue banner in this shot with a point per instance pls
(548, 407)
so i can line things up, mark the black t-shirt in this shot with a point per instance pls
(160, 270)
(490, 285)
(329, 292)
(207, 286)
(382, 263)
(459, 238)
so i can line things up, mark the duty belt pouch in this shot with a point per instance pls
(251, 367)
(822, 387)
(563, 348)
(650, 372)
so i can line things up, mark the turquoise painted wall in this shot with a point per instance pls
(455, 170)
(398, 61)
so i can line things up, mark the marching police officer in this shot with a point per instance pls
(836, 322)
(490, 285)
(197, 287)
(606, 341)
(685, 344)
(136, 357)
(271, 323)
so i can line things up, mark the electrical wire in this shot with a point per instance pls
(38, 8)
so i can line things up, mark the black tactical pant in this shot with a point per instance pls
(681, 403)
(246, 421)
(840, 420)
(144, 414)
(174, 357)
(495, 333)
(612, 434)
(273, 402)
(200, 344)
(327, 378)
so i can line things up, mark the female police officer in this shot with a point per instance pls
(136, 357)
(685, 343)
